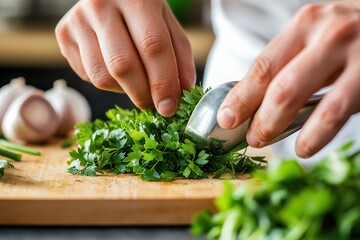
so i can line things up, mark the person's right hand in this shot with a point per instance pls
(319, 47)
(136, 47)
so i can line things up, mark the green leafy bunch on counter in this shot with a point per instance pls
(289, 202)
(152, 146)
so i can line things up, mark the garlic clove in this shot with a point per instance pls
(9, 93)
(69, 104)
(30, 119)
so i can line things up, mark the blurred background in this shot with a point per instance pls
(28, 46)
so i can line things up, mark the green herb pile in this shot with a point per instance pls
(151, 146)
(288, 202)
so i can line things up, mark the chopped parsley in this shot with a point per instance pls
(152, 146)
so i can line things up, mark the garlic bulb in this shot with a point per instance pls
(69, 104)
(9, 93)
(30, 119)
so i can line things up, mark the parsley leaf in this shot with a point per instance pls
(4, 164)
(152, 146)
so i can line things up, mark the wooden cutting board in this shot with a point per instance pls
(39, 192)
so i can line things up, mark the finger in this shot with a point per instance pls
(243, 100)
(93, 61)
(121, 57)
(155, 48)
(331, 114)
(70, 50)
(183, 52)
(290, 89)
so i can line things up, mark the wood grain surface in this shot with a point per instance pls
(39, 191)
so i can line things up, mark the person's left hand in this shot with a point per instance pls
(321, 41)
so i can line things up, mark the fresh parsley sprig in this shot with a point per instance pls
(4, 164)
(152, 146)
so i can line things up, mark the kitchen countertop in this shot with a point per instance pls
(110, 233)
(24, 46)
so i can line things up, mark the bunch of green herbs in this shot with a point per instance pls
(289, 202)
(152, 146)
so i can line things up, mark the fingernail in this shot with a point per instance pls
(226, 118)
(167, 107)
(253, 141)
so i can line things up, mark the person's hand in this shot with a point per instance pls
(320, 46)
(136, 47)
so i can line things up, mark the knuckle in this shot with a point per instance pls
(332, 8)
(160, 87)
(61, 32)
(261, 70)
(336, 9)
(263, 132)
(119, 66)
(77, 16)
(307, 15)
(101, 80)
(76, 19)
(153, 45)
(241, 101)
(95, 6)
(332, 116)
(341, 29)
(283, 95)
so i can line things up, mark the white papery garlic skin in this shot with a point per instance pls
(9, 93)
(30, 119)
(71, 106)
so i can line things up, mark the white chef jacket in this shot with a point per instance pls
(242, 29)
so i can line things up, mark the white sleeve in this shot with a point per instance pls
(242, 29)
